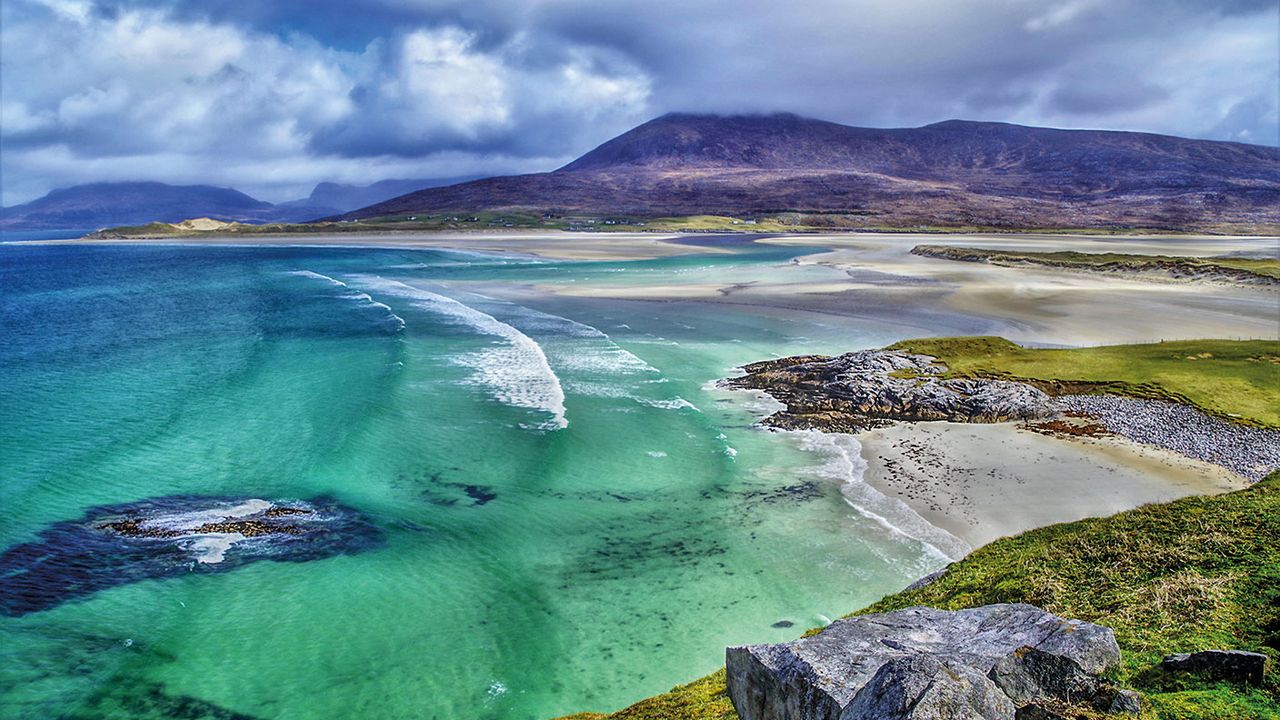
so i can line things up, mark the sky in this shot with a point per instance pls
(273, 97)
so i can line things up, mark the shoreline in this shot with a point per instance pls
(551, 245)
(985, 458)
(657, 243)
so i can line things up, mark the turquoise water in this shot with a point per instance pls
(572, 516)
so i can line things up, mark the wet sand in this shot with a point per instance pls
(983, 482)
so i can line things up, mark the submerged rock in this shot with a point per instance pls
(923, 663)
(114, 545)
(1240, 666)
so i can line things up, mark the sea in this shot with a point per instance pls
(558, 509)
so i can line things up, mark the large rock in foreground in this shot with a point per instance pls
(923, 664)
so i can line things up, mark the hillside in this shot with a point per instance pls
(948, 174)
(340, 198)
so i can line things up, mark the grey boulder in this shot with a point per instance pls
(923, 664)
(1230, 665)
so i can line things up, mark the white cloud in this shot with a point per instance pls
(1060, 13)
(144, 94)
(270, 98)
(444, 81)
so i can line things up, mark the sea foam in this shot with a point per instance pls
(364, 298)
(516, 373)
(843, 462)
(317, 276)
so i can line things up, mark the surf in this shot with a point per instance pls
(360, 297)
(842, 455)
(517, 373)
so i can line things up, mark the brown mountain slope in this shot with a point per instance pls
(950, 173)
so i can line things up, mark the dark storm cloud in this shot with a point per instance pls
(274, 96)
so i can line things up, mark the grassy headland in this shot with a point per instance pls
(1253, 271)
(1194, 574)
(1235, 379)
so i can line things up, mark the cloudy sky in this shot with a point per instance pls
(272, 97)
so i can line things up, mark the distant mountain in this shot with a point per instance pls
(130, 203)
(98, 205)
(949, 173)
(344, 198)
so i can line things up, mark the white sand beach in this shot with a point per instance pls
(981, 482)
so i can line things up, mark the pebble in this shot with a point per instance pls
(1250, 452)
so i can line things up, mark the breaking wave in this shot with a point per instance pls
(844, 464)
(360, 297)
(516, 373)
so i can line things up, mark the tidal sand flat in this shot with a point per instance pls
(564, 499)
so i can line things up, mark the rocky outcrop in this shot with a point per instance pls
(1237, 666)
(853, 392)
(922, 664)
(865, 388)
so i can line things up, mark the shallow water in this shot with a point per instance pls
(571, 516)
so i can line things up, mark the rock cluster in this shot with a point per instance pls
(995, 662)
(1250, 452)
(248, 527)
(861, 388)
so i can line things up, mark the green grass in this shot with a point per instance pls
(1238, 379)
(1262, 267)
(1194, 574)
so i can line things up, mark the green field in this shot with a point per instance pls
(1237, 379)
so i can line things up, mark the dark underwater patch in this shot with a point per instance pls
(447, 493)
(163, 537)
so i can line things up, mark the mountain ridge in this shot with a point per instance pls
(103, 204)
(953, 172)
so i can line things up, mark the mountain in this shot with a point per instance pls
(131, 203)
(949, 173)
(344, 198)
(99, 205)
